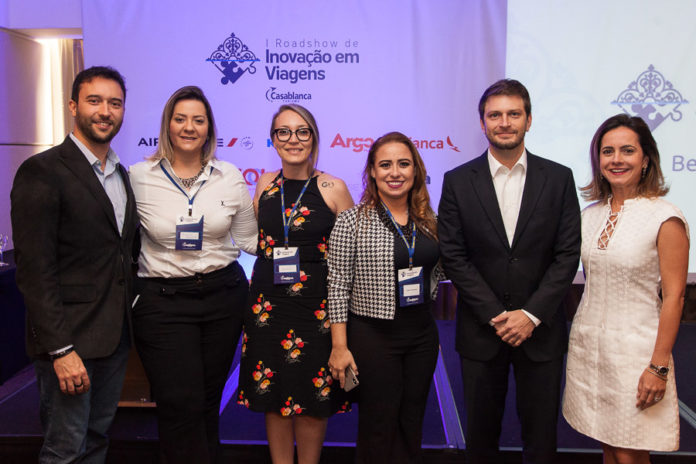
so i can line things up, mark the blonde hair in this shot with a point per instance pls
(164, 145)
(305, 114)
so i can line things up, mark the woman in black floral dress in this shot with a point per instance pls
(287, 339)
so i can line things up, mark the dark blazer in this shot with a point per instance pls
(73, 266)
(491, 276)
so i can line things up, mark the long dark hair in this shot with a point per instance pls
(652, 184)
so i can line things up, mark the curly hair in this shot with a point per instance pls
(419, 208)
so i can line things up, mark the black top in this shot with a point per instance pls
(427, 254)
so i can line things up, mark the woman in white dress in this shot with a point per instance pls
(620, 386)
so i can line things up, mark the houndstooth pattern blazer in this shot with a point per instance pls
(361, 267)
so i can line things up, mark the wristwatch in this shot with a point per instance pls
(659, 370)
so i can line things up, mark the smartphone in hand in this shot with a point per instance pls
(351, 380)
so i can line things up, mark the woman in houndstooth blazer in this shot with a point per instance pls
(383, 272)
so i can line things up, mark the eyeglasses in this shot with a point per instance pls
(303, 134)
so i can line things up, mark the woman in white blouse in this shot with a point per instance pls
(196, 214)
(635, 248)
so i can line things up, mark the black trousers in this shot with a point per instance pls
(396, 360)
(186, 332)
(537, 385)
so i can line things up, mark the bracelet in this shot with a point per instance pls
(61, 353)
(661, 377)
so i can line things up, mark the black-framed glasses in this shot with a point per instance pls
(303, 134)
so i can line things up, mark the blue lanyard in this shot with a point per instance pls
(190, 199)
(287, 218)
(412, 247)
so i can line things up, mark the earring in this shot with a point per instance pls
(642, 175)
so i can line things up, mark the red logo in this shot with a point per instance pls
(251, 175)
(451, 145)
(358, 144)
(233, 140)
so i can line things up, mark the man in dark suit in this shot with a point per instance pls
(509, 229)
(74, 225)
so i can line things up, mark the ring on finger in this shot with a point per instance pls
(658, 398)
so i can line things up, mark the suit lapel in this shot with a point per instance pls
(130, 204)
(533, 186)
(76, 162)
(483, 186)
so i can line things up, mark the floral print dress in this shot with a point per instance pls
(287, 337)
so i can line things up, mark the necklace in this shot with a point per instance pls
(189, 181)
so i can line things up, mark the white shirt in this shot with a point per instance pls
(509, 186)
(221, 197)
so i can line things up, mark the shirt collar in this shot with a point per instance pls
(214, 163)
(111, 156)
(494, 165)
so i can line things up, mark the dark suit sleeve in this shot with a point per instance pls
(544, 302)
(35, 212)
(466, 278)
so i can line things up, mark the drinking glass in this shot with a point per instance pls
(3, 244)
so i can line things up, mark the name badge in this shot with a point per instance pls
(410, 286)
(189, 232)
(286, 265)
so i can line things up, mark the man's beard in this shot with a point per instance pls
(509, 145)
(86, 126)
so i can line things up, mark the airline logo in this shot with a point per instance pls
(360, 144)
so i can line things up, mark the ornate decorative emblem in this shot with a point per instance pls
(652, 97)
(233, 58)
